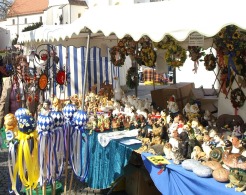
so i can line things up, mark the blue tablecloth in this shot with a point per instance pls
(107, 163)
(175, 180)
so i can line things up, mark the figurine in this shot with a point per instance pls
(177, 157)
(167, 149)
(46, 107)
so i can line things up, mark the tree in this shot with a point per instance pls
(4, 6)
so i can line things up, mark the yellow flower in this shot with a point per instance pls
(236, 35)
(230, 46)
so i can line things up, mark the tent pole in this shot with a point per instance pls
(174, 75)
(86, 68)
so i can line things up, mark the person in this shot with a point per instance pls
(140, 73)
(8, 100)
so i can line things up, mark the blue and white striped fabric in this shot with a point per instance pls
(100, 70)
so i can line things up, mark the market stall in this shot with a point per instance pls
(125, 112)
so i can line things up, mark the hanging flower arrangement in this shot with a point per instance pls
(195, 52)
(118, 55)
(175, 56)
(237, 98)
(210, 62)
(129, 44)
(148, 56)
(131, 80)
(230, 46)
(164, 43)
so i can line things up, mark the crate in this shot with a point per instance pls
(140, 183)
(182, 92)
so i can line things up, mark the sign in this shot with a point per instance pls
(196, 39)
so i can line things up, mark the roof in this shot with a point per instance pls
(26, 7)
(77, 2)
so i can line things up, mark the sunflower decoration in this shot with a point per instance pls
(175, 55)
(210, 62)
(118, 55)
(148, 56)
(237, 98)
(164, 43)
(131, 80)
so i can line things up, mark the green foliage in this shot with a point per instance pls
(33, 26)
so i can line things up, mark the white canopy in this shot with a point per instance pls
(177, 18)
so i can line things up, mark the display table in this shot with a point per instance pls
(107, 163)
(176, 180)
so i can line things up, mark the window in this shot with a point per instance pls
(40, 19)
(13, 21)
(25, 20)
(79, 15)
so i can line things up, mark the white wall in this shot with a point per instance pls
(20, 23)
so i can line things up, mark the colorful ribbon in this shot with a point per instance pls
(79, 152)
(25, 164)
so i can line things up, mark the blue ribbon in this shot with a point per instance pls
(231, 65)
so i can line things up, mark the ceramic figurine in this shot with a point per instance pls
(177, 157)
(198, 154)
(167, 149)
(237, 179)
(183, 144)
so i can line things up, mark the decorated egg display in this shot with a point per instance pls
(45, 123)
(69, 110)
(58, 118)
(26, 124)
(80, 118)
(20, 112)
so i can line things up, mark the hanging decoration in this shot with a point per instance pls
(175, 55)
(148, 56)
(195, 53)
(230, 45)
(165, 42)
(79, 145)
(131, 78)
(118, 55)
(210, 62)
(23, 158)
(129, 44)
(43, 82)
(237, 98)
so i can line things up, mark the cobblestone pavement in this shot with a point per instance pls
(4, 173)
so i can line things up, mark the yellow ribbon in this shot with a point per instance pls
(27, 165)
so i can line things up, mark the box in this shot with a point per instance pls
(181, 91)
(140, 183)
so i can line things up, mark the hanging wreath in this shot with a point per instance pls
(118, 55)
(129, 44)
(210, 62)
(237, 98)
(131, 80)
(148, 56)
(164, 43)
(175, 56)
